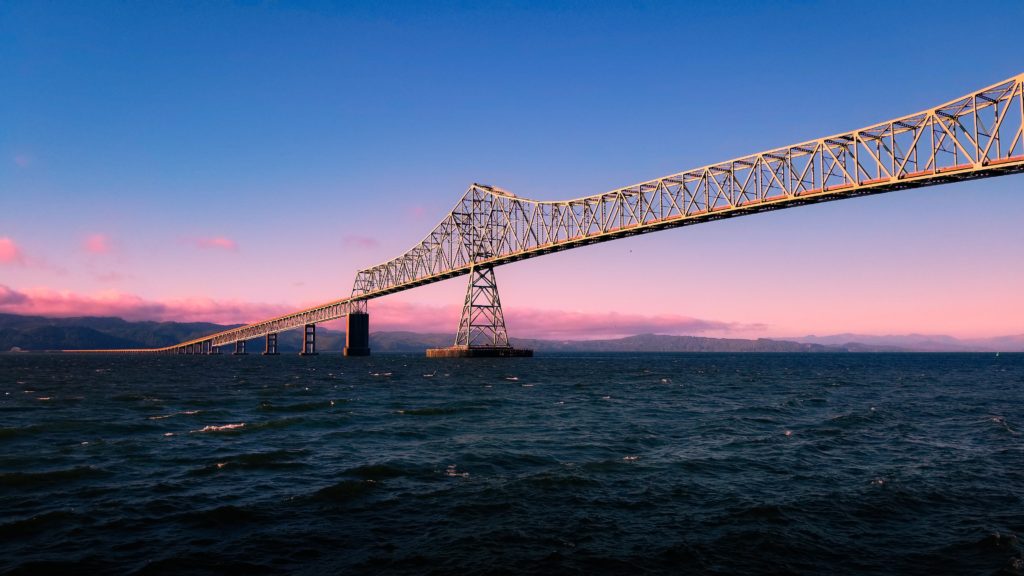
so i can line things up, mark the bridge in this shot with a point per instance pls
(979, 135)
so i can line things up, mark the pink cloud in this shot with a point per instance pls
(9, 252)
(22, 160)
(549, 324)
(557, 324)
(217, 242)
(111, 277)
(356, 241)
(49, 302)
(415, 211)
(97, 244)
(384, 316)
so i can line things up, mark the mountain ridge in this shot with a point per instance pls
(38, 333)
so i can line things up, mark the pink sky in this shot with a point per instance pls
(213, 175)
(804, 275)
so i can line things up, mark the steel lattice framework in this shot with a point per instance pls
(482, 323)
(977, 136)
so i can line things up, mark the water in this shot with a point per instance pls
(682, 463)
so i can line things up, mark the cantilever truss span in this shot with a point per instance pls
(977, 136)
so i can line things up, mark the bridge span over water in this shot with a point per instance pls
(979, 135)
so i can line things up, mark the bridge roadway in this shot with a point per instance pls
(979, 135)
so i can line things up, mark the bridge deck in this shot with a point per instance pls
(979, 135)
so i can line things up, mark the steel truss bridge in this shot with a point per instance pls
(979, 135)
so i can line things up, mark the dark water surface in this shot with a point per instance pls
(682, 463)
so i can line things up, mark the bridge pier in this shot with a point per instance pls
(214, 350)
(357, 334)
(482, 332)
(239, 348)
(309, 341)
(271, 346)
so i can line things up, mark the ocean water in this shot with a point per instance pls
(585, 464)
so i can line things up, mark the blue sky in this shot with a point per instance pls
(322, 138)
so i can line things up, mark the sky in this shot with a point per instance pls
(226, 161)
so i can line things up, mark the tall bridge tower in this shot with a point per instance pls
(482, 330)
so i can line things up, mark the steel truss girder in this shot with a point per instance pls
(979, 135)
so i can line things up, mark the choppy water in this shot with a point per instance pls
(689, 463)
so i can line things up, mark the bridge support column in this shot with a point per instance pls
(309, 341)
(357, 334)
(239, 348)
(271, 347)
(214, 350)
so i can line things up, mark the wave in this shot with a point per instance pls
(182, 413)
(41, 522)
(221, 516)
(441, 410)
(345, 490)
(378, 472)
(221, 428)
(268, 406)
(33, 479)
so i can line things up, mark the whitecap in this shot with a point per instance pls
(452, 472)
(224, 427)
(182, 413)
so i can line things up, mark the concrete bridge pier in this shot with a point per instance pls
(357, 334)
(239, 348)
(214, 350)
(309, 341)
(271, 346)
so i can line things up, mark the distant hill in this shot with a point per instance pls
(40, 333)
(922, 342)
(89, 332)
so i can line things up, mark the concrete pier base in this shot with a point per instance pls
(239, 348)
(309, 341)
(479, 352)
(357, 334)
(271, 346)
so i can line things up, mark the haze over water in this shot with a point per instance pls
(701, 463)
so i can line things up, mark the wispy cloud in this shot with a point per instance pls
(111, 277)
(384, 316)
(10, 253)
(415, 211)
(97, 244)
(559, 324)
(62, 303)
(217, 243)
(22, 160)
(553, 324)
(356, 241)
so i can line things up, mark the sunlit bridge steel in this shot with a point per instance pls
(976, 136)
